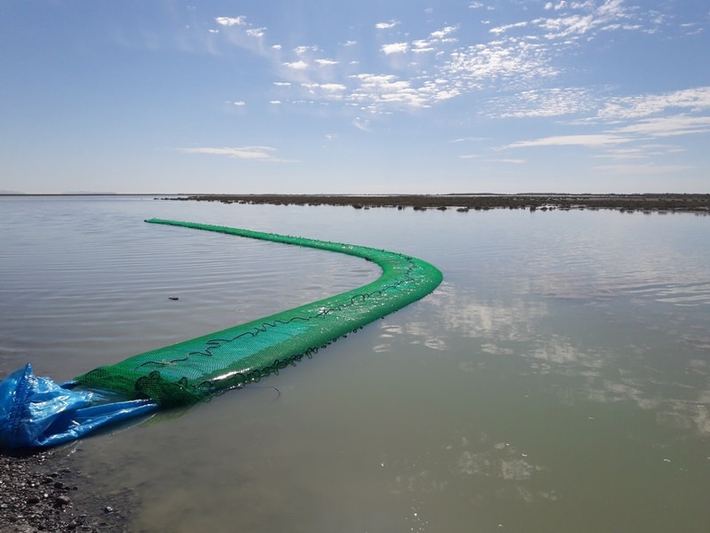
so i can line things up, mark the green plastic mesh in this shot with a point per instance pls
(199, 368)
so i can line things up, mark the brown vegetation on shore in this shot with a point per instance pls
(695, 203)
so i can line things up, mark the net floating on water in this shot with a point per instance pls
(198, 368)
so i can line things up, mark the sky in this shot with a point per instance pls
(318, 96)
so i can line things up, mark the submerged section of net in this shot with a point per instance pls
(199, 368)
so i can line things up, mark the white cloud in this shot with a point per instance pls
(212, 30)
(300, 50)
(249, 153)
(668, 126)
(434, 40)
(239, 103)
(542, 103)
(630, 119)
(395, 48)
(443, 32)
(480, 5)
(587, 140)
(256, 32)
(276, 46)
(332, 87)
(504, 59)
(231, 21)
(361, 124)
(421, 43)
(468, 156)
(501, 63)
(376, 90)
(282, 83)
(387, 24)
(468, 139)
(275, 102)
(623, 153)
(502, 29)
(585, 19)
(509, 161)
(629, 107)
(297, 65)
(559, 5)
(332, 91)
(437, 70)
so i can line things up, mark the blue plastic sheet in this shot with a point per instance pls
(36, 412)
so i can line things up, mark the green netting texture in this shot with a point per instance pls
(198, 368)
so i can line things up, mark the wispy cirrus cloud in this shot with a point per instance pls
(586, 140)
(265, 154)
(670, 126)
(508, 160)
(636, 122)
(468, 139)
(630, 107)
(551, 102)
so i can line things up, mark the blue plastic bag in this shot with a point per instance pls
(37, 412)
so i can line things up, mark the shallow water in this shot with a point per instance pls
(558, 380)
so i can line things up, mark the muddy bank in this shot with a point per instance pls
(694, 203)
(45, 492)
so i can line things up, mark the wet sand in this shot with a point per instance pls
(650, 203)
(44, 492)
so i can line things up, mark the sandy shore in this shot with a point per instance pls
(45, 492)
(694, 203)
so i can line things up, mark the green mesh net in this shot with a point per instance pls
(198, 368)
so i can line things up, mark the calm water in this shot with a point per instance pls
(557, 381)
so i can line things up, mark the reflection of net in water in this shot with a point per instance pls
(197, 368)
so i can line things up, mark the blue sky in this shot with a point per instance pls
(316, 96)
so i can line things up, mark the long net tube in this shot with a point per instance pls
(195, 369)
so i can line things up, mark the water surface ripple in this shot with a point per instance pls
(558, 380)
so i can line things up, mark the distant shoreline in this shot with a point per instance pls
(462, 202)
(659, 203)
